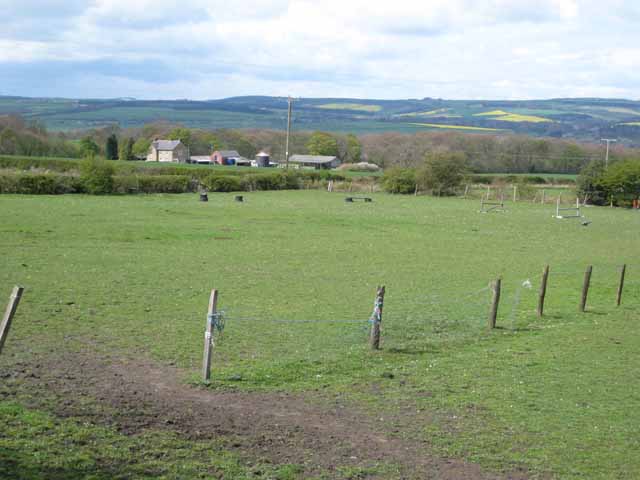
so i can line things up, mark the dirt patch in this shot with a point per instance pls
(135, 395)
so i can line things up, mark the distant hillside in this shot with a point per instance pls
(583, 119)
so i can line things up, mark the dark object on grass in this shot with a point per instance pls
(235, 377)
(584, 223)
(387, 375)
(204, 197)
(353, 199)
(239, 198)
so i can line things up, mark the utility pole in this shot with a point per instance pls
(286, 149)
(606, 157)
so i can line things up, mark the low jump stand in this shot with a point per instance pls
(571, 212)
(486, 206)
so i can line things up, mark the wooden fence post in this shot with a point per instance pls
(14, 301)
(376, 319)
(493, 313)
(585, 288)
(208, 335)
(543, 290)
(621, 285)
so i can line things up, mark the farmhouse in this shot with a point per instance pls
(225, 157)
(168, 151)
(314, 161)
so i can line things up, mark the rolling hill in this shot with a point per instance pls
(579, 118)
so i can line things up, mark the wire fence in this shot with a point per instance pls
(412, 320)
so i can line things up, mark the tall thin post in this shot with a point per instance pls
(286, 150)
(543, 290)
(543, 195)
(515, 193)
(606, 156)
(376, 319)
(558, 207)
(488, 191)
(466, 190)
(621, 285)
(493, 313)
(14, 301)
(585, 288)
(208, 335)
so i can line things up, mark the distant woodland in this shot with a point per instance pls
(510, 153)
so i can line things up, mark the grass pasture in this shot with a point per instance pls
(456, 127)
(350, 106)
(297, 273)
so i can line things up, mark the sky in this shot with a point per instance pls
(208, 49)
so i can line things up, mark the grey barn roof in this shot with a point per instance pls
(165, 144)
(229, 153)
(311, 159)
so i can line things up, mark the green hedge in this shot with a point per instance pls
(56, 184)
(153, 184)
(221, 183)
(105, 177)
(40, 184)
(278, 180)
(399, 180)
(27, 163)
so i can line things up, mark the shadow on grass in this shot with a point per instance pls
(13, 464)
(427, 349)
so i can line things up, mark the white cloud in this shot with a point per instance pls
(360, 48)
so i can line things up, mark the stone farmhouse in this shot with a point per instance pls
(168, 151)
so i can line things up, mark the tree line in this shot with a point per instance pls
(481, 152)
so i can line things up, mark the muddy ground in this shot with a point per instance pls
(137, 395)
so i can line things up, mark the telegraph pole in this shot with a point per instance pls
(286, 149)
(606, 157)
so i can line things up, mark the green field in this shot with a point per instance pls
(129, 277)
(575, 118)
(456, 127)
(350, 106)
(512, 117)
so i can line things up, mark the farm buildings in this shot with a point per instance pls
(168, 151)
(175, 151)
(314, 161)
(225, 157)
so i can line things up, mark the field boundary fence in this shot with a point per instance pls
(515, 193)
(488, 302)
(439, 314)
